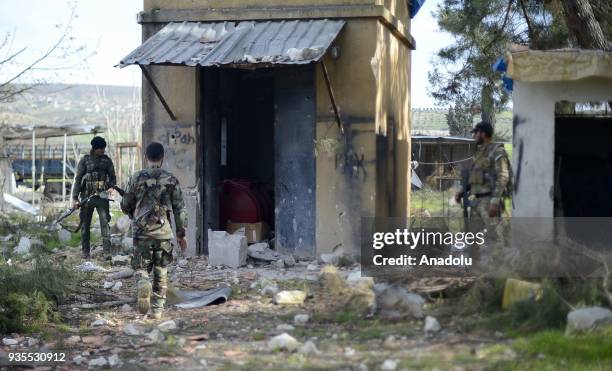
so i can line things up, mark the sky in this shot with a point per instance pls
(108, 29)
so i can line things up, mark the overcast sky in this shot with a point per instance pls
(109, 28)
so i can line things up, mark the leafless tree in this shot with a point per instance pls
(52, 60)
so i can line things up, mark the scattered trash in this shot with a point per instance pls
(156, 336)
(280, 264)
(114, 361)
(331, 259)
(261, 251)
(124, 273)
(9, 341)
(79, 359)
(389, 365)
(73, 340)
(517, 290)
(290, 297)
(270, 290)
(90, 267)
(99, 322)
(431, 325)
(285, 327)
(283, 341)
(107, 284)
(197, 299)
(117, 286)
(587, 319)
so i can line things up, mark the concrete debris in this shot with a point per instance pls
(349, 352)
(226, 249)
(261, 251)
(107, 284)
(301, 319)
(100, 322)
(120, 260)
(98, 362)
(280, 264)
(9, 341)
(114, 361)
(396, 302)
(290, 297)
(24, 246)
(431, 325)
(308, 348)
(117, 286)
(155, 335)
(289, 260)
(90, 267)
(122, 274)
(303, 54)
(283, 341)
(331, 259)
(132, 330)
(338, 295)
(182, 263)
(127, 243)
(270, 290)
(32, 342)
(285, 327)
(167, 326)
(126, 308)
(391, 342)
(389, 365)
(79, 359)
(64, 236)
(588, 319)
(73, 340)
(123, 224)
(312, 267)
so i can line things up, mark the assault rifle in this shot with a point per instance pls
(465, 197)
(83, 202)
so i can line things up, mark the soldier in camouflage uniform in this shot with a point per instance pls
(95, 174)
(489, 182)
(154, 202)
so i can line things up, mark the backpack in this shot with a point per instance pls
(509, 190)
(150, 213)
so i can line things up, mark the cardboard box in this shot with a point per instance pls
(254, 232)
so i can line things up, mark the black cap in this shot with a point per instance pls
(98, 142)
(485, 127)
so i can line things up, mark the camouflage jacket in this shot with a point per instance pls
(163, 190)
(490, 172)
(94, 174)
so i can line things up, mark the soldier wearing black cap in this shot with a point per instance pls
(95, 174)
(489, 179)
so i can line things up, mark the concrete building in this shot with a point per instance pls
(562, 146)
(310, 97)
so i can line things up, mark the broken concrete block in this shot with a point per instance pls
(587, 319)
(431, 325)
(280, 264)
(289, 260)
(283, 342)
(396, 302)
(301, 319)
(290, 297)
(117, 286)
(261, 251)
(23, 247)
(167, 326)
(120, 260)
(331, 259)
(308, 348)
(226, 249)
(64, 236)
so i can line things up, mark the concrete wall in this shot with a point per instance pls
(534, 132)
(364, 173)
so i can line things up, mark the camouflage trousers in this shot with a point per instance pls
(86, 215)
(481, 221)
(153, 255)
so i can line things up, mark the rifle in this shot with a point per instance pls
(465, 197)
(82, 203)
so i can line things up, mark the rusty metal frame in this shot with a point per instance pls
(332, 97)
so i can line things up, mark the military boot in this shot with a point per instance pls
(143, 292)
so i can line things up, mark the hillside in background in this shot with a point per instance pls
(59, 104)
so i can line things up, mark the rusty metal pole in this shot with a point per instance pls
(332, 97)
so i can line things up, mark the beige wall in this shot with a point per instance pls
(371, 84)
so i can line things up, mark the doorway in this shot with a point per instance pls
(257, 145)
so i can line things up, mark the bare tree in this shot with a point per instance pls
(53, 59)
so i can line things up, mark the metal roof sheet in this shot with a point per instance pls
(237, 43)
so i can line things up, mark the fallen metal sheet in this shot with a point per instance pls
(20, 204)
(196, 299)
(251, 43)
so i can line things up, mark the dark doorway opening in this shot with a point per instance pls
(257, 144)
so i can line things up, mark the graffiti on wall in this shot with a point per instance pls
(179, 142)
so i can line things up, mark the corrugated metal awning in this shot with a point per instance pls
(234, 44)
